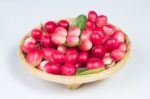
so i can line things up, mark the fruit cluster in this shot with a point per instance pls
(87, 45)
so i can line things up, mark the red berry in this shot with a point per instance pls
(101, 20)
(98, 51)
(36, 34)
(57, 57)
(47, 52)
(50, 26)
(85, 34)
(90, 25)
(122, 46)
(68, 70)
(92, 15)
(110, 44)
(95, 39)
(63, 23)
(71, 50)
(84, 57)
(117, 54)
(78, 65)
(61, 31)
(58, 39)
(100, 31)
(52, 68)
(95, 63)
(41, 65)
(119, 36)
(85, 45)
(71, 57)
(108, 30)
(34, 57)
(62, 49)
(46, 40)
(28, 44)
(72, 40)
(74, 31)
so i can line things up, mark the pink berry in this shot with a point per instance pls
(107, 60)
(110, 44)
(101, 20)
(68, 70)
(57, 57)
(62, 49)
(84, 57)
(74, 31)
(98, 51)
(50, 26)
(63, 23)
(36, 34)
(58, 39)
(46, 40)
(72, 57)
(122, 46)
(117, 54)
(100, 31)
(95, 63)
(95, 39)
(47, 52)
(72, 40)
(90, 25)
(61, 31)
(34, 57)
(108, 30)
(41, 65)
(85, 34)
(119, 36)
(92, 15)
(85, 45)
(52, 68)
(28, 44)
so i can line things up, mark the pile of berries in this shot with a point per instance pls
(62, 49)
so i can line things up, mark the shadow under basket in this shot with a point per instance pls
(74, 82)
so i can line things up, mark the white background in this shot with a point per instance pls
(17, 17)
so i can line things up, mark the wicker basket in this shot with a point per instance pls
(74, 82)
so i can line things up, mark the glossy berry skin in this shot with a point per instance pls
(101, 20)
(85, 34)
(110, 44)
(74, 31)
(100, 31)
(98, 51)
(68, 70)
(36, 34)
(122, 46)
(90, 25)
(95, 63)
(117, 54)
(63, 23)
(41, 65)
(72, 40)
(50, 26)
(85, 45)
(52, 68)
(47, 52)
(28, 45)
(92, 16)
(46, 40)
(84, 57)
(119, 36)
(62, 49)
(72, 57)
(58, 39)
(34, 57)
(57, 57)
(108, 30)
(71, 50)
(95, 38)
(61, 31)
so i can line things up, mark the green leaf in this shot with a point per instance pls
(86, 72)
(79, 70)
(80, 22)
